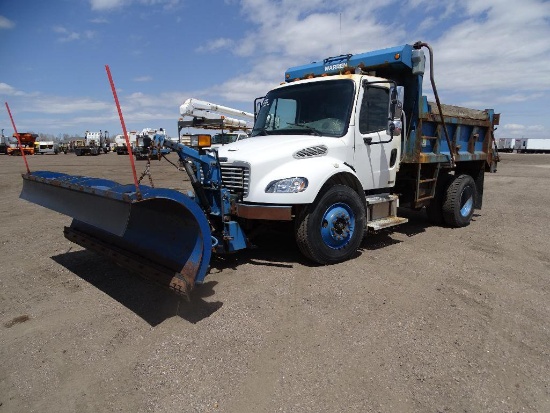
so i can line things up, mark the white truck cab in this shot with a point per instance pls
(309, 131)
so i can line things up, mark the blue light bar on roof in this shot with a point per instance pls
(394, 56)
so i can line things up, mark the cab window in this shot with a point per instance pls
(373, 116)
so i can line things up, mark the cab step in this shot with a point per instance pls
(382, 212)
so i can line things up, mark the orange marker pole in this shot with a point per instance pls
(124, 130)
(18, 138)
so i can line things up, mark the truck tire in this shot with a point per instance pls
(458, 207)
(434, 210)
(331, 229)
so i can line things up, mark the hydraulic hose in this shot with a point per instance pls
(199, 190)
(417, 46)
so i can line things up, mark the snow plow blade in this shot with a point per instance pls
(162, 235)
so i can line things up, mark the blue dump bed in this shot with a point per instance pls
(469, 130)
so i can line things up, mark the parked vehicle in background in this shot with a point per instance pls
(144, 141)
(220, 139)
(532, 145)
(27, 140)
(4, 142)
(233, 124)
(93, 144)
(506, 144)
(44, 147)
(120, 142)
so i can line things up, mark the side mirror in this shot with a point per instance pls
(394, 128)
(257, 106)
(397, 96)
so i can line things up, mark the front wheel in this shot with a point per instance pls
(458, 207)
(331, 229)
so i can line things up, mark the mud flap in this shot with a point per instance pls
(163, 235)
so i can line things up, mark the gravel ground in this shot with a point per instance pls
(423, 319)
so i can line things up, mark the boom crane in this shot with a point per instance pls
(197, 113)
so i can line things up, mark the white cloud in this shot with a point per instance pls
(217, 44)
(6, 23)
(106, 5)
(65, 105)
(100, 5)
(314, 29)
(66, 35)
(519, 130)
(514, 127)
(535, 128)
(143, 79)
(7, 90)
(489, 47)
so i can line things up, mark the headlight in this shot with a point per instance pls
(287, 185)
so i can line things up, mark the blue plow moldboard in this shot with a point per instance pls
(163, 235)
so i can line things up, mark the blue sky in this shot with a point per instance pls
(490, 54)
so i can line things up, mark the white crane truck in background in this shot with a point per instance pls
(233, 124)
(334, 151)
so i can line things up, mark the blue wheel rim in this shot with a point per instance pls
(466, 202)
(337, 226)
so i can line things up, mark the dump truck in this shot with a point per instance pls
(335, 150)
(27, 140)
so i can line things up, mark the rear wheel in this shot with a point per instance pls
(331, 230)
(458, 207)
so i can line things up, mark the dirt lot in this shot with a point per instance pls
(424, 319)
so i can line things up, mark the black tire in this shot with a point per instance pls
(434, 210)
(458, 207)
(331, 229)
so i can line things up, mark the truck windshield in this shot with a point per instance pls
(318, 108)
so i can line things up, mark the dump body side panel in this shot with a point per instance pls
(470, 132)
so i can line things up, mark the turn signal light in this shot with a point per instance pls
(201, 141)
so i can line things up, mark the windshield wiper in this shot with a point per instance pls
(303, 125)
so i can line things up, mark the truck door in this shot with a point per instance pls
(376, 157)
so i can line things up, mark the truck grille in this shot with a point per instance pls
(236, 178)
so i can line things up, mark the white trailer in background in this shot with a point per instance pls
(506, 144)
(532, 145)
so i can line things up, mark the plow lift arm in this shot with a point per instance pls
(159, 233)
